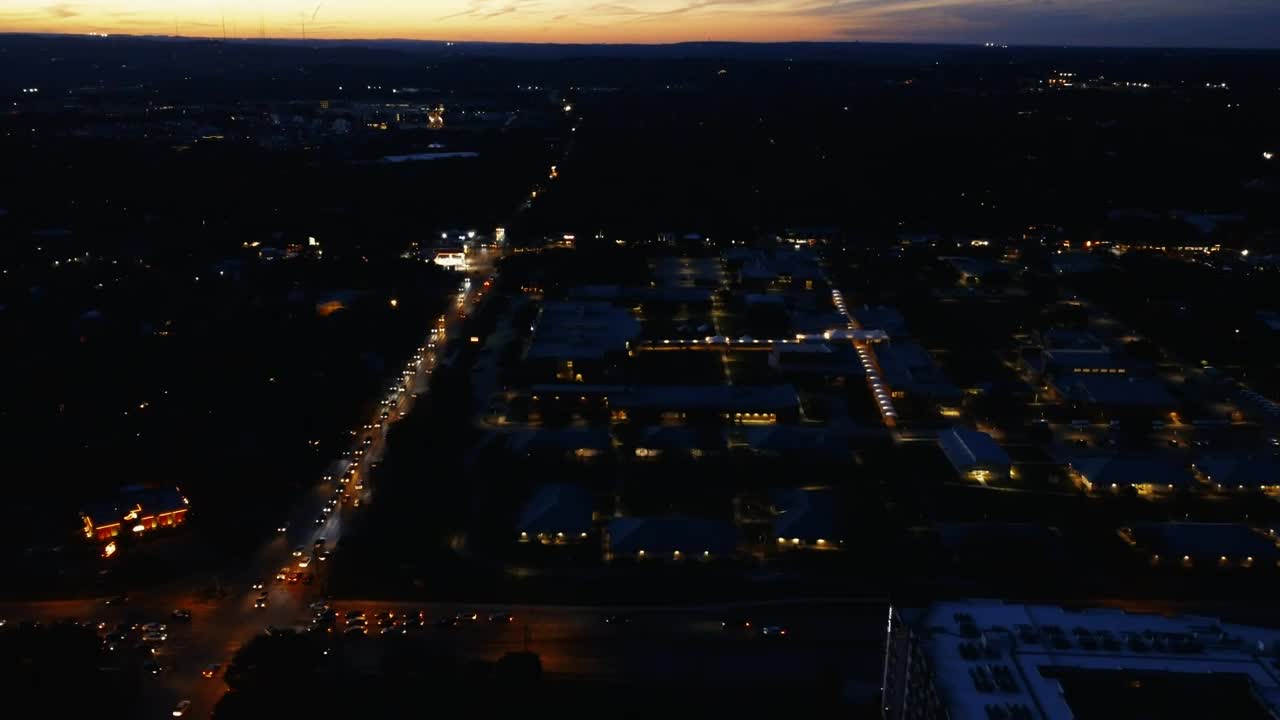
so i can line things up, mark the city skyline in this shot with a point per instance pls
(1182, 23)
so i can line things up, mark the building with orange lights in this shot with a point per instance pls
(135, 509)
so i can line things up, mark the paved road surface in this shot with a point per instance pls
(218, 628)
(674, 644)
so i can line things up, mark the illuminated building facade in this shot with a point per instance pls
(135, 509)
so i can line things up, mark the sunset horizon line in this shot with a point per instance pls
(638, 43)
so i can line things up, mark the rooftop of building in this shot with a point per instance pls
(581, 330)
(686, 271)
(557, 508)
(1069, 339)
(1233, 541)
(1116, 390)
(560, 440)
(1241, 471)
(986, 653)
(1124, 469)
(1072, 359)
(813, 358)
(808, 514)
(818, 442)
(748, 398)
(758, 264)
(681, 437)
(152, 500)
(663, 536)
(967, 449)
(880, 317)
(907, 366)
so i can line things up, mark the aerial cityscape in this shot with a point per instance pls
(900, 360)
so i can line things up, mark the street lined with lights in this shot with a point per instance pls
(280, 576)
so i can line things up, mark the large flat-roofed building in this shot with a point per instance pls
(1148, 473)
(1240, 472)
(1057, 363)
(1116, 396)
(137, 510)
(757, 270)
(555, 514)
(586, 443)
(686, 272)
(1203, 545)
(827, 362)
(1068, 339)
(669, 539)
(805, 519)
(984, 659)
(452, 258)
(973, 454)
(910, 372)
(881, 317)
(671, 442)
(678, 404)
(738, 404)
(799, 444)
(1067, 353)
(574, 339)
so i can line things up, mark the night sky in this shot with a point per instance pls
(1179, 23)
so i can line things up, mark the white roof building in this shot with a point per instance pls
(983, 659)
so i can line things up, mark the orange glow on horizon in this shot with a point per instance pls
(1129, 23)
(558, 21)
